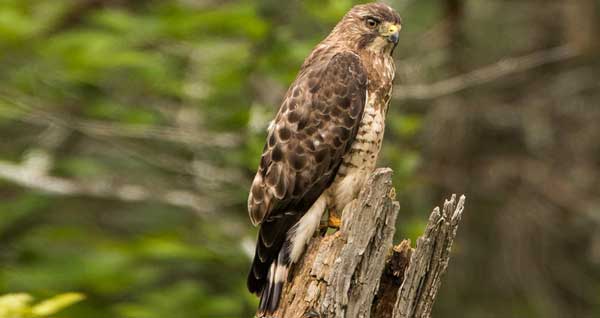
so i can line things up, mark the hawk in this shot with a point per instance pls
(322, 144)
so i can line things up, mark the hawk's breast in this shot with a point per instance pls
(361, 159)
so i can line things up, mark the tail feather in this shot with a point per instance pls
(264, 257)
(271, 261)
(276, 252)
(271, 294)
(257, 277)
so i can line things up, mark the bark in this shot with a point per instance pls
(356, 271)
(429, 262)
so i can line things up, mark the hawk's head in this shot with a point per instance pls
(372, 26)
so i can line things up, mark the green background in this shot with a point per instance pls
(130, 131)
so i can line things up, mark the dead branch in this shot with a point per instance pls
(485, 74)
(429, 261)
(137, 131)
(355, 272)
(29, 113)
(32, 174)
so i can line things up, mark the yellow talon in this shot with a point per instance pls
(334, 221)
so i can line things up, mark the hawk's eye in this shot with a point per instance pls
(372, 22)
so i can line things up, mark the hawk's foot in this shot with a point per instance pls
(334, 221)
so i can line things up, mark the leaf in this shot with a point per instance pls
(56, 303)
(14, 305)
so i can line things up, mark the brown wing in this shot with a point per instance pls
(313, 129)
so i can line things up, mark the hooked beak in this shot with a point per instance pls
(394, 37)
(392, 33)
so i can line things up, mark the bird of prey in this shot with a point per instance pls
(322, 144)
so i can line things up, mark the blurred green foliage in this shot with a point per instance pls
(20, 306)
(130, 131)
(107, 73)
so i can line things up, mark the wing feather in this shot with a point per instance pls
(314, 128)
(310, 134)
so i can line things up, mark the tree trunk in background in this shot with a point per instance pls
(525, 149)
(455, 37)
(356, 273)
(581, 23)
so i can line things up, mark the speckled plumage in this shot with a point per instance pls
(323, 142)
(360, 160)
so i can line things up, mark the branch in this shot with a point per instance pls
(32, 176)
(485, 75)
(356, 273)
(137, 131)
(429, 261)
(30, 113)
(339, 274)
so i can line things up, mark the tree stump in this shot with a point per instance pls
(356, 272)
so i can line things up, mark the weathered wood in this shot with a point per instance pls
(391, 280)
(340, 273)
(429, 261)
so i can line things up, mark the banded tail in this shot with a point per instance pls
(280, 243)
(267, 277)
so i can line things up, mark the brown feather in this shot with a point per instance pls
(327, 113)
